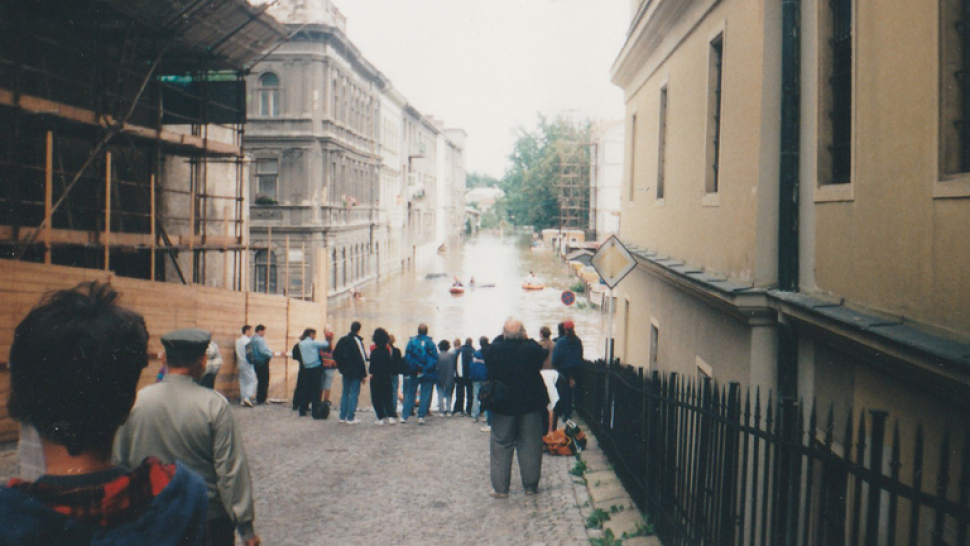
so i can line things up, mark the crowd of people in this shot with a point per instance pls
(167, 465)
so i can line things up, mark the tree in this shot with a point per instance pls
(532, 182)
(478, 180)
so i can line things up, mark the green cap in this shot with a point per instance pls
(187, 344)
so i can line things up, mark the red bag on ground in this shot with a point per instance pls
(558, 443)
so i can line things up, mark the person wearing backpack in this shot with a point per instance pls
(421, 360)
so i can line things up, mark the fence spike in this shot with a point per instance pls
(942, 483)
(894, 466)
(914, 512)
(962, 530)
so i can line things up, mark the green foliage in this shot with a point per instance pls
(609, 539)
(532, 183)
(617, 508)
(578, 287)
(644, 529)
(597, 518)
(478, 180)
(579, 469)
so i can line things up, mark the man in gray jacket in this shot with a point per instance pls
(179, 420)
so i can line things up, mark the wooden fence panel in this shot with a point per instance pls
(166, 307)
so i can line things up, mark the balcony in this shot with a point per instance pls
(326, 216)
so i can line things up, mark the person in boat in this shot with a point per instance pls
(532, 280)
(471, 281)
(457, 282)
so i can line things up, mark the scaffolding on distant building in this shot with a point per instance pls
(574, 186)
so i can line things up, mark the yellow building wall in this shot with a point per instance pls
(891, 245)
(736, 236)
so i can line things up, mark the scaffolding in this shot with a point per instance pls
(574, 184)
(100, 102)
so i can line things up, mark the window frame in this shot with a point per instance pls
(662, 122)
(269, 96)
(954, 54)
(714, 119)
(259, 175)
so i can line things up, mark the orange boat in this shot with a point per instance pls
(457, 290)
(530, 286)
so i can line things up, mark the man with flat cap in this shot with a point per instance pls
(178, 419)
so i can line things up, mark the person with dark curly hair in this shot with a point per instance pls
(75, 363)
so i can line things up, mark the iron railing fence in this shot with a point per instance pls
(717, 466)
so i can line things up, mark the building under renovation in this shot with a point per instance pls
(122, 125)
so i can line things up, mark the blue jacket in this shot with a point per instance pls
(261, 350)
(567, 355)
(310, 352)
(421, 356)
(175, 517)
(478, 370)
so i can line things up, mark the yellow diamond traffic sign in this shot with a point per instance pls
(613, 261)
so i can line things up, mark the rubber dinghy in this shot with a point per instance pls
(457, 290)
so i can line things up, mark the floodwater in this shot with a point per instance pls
(401, 303)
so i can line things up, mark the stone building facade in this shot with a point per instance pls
(797, 221)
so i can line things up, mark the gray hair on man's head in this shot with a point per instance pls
(513, 329)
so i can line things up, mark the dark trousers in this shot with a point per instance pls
(298, 392)
(208, 380)
(262, 382)
(381, 396)
(220, 532)
(463, 396)
(521, 434)
(310, 392)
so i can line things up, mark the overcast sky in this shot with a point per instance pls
(490, 66)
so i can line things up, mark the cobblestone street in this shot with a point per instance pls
(323, 482)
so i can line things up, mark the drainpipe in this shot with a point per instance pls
(789, 475)
(788, 188)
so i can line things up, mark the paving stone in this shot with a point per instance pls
(642, 541)
(321, 481)
(624, 521)
(602, 495)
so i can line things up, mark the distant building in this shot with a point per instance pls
(606, 177)
(483, 198)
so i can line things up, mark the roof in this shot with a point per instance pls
(223, 34)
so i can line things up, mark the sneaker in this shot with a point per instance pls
(420, 420)
(391, 420)
(379, 422)
(355, 421)
(246, 402)
(497, 495)
(404, 421)
(486, 428)
(531, 491)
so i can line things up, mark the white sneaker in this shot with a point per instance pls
(379, 422)
(420, 420)
(356, 421)
(246, 402)
(391, 420)
(486, 428)
(404, 421)
(343, 422)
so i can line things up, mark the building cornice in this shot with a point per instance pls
(653, 36)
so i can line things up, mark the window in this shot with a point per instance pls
(269, 95)
(715, 78)
(633, 154)
(840, 85)
(265, 279)
(955, 86)
(654, 342)
(662, 143)
(267, 176)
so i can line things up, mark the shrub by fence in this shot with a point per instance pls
(718, 466)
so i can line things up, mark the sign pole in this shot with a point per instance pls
(609, 337)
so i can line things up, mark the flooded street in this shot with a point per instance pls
(404, 301)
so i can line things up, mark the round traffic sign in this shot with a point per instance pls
(568, 297)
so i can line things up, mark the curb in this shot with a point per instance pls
(600, 489)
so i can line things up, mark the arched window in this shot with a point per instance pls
(259, 272)
(269, 95)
